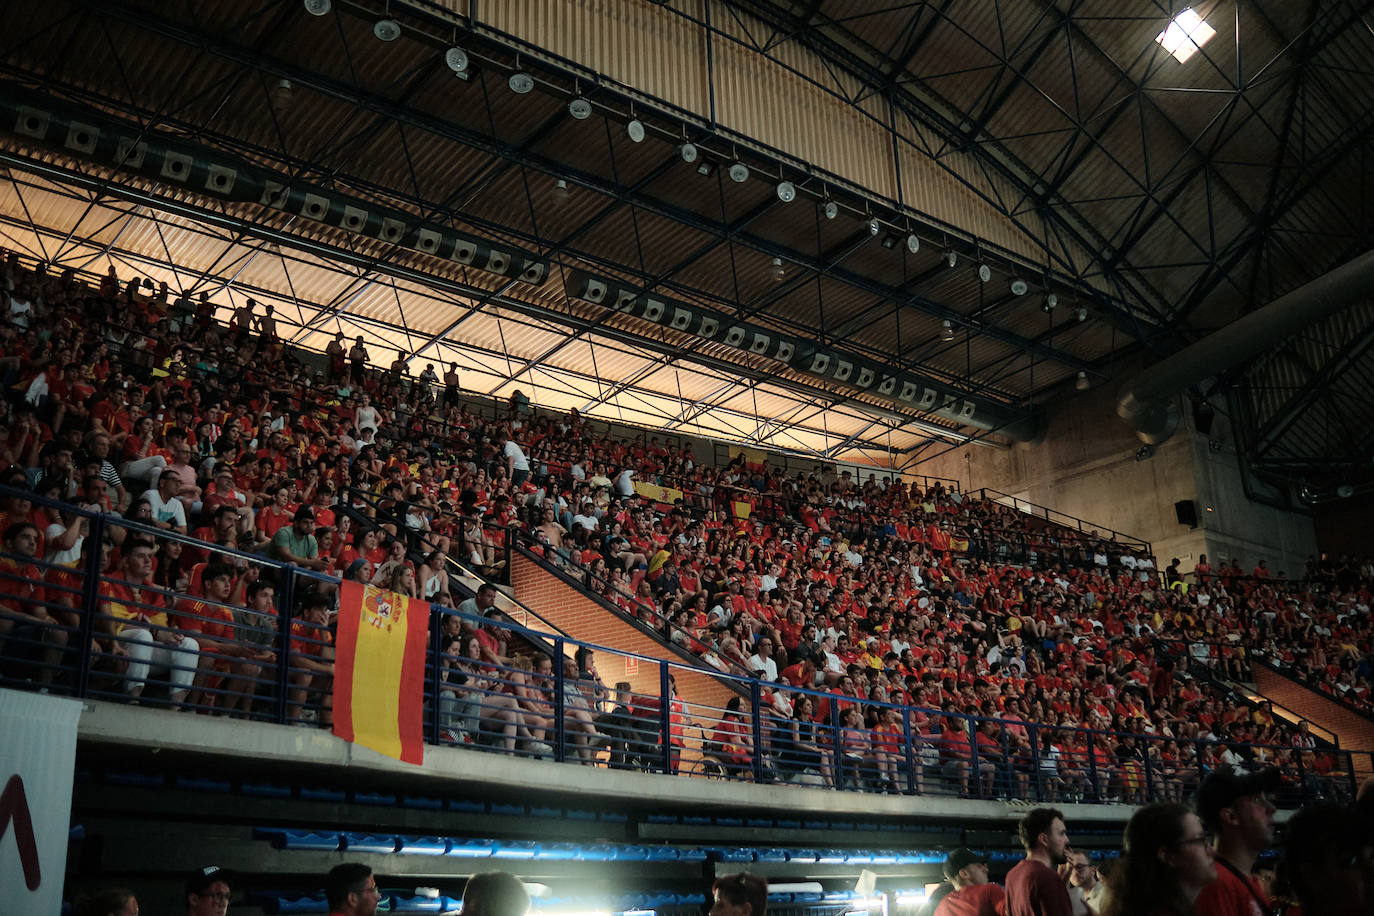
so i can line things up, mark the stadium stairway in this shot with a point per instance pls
(560, 600)
(1355, 730)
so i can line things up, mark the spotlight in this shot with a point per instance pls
(1051, 302)
(951, 258)
(688, 152)
(984, 272)
(635, 130)
(889, 241)
(946, 331)
(457, 60)
(1018, 287)
(580, 109)
(874, 227)
(831, 209)
(777, 272)
(787, 192)
(1082, 314)
(520, 82)
(387, 29)
(1082, 383)
(560, 191)
(1144, 452)
(739, 172)
(1345, 491)
(913, 244)
(706, 167)
(318, 7)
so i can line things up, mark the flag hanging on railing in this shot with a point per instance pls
(379, 671)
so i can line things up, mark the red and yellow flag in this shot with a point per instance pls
(379, 671)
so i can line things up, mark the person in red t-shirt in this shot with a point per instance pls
(312, 658)
(1034, 887)
(1234, 805)
(973, 894)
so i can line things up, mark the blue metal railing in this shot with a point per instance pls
(479, 699)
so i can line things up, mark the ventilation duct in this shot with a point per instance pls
(1150, 400)
(903, 389)
(36, 120)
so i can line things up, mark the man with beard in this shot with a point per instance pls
(1034, 886)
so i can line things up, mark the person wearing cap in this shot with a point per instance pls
(208, 891)
(1034, 887)
(1235, 808)
(296, 543)
(972, 894)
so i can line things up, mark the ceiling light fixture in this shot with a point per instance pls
(560, 191)
(318, 7)
(580, 108)
(1018, 287)
(984, 272)
(1185, 35)
(688, 152)
(635, 130)
(1082, 383)
(946, 331)
(520, 82)
(778, 272)
(1050, 303)
(457, 60)
(1082, 314)
(951, 258)
(787, 192)
(913, 244)
(831, 209)
(739, 172)
(706, 167)
(387, 29)
(874, 227)
(890, 241)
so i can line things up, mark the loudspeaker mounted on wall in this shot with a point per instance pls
(1186, 510)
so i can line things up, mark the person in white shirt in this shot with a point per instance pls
(624, 483)
(168, 511)
(586, 516)
(517, 465)
(761, 662)
(366, 416)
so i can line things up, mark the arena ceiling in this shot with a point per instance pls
(1051, 141)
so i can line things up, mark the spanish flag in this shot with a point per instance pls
(379, 671)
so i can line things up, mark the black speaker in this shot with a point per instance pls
(1186, 510)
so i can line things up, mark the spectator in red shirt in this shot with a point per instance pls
(1034, 886)
(973, 894)
(1234, 805)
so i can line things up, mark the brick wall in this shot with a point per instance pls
(582, 618)
(1355, 731)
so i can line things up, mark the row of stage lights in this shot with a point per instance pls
(579, 108)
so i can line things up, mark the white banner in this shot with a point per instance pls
(37, 755)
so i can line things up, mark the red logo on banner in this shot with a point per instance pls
(14, 806)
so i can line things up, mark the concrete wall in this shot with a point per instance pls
(1087, 467)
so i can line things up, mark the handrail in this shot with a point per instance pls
(848, 751)
(1038, 511)
(1261, 657)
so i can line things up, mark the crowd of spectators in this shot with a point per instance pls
(130, 399)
